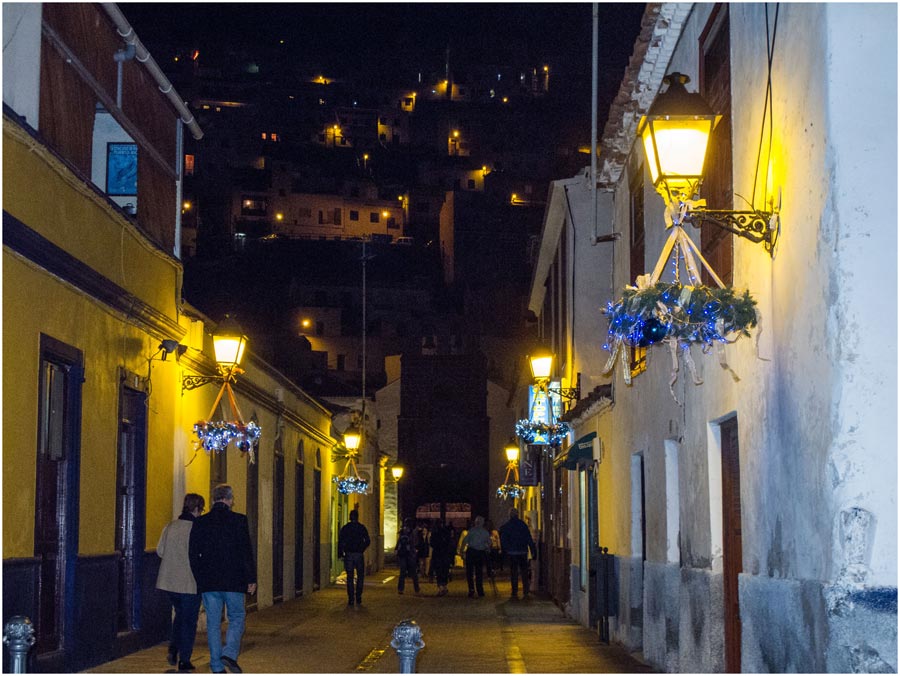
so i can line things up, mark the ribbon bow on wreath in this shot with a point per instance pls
(675, 313)
(215, 435)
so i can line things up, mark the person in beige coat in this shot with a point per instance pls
(175, 577)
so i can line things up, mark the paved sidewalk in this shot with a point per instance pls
(494, 634)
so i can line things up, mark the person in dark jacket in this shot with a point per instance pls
(516, 541)
(222, 562)
(353, 540)
(442, 550)
(406, 555)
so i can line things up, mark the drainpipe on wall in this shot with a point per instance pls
(121, 57)
(179, 184)
(126, 32)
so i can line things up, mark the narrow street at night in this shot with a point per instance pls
(494, 634)
(297, 294)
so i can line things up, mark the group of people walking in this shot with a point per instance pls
(207, 557)
(433, 550)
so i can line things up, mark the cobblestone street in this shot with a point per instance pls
(494, 634)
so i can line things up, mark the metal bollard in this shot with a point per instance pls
(18, 634)
(407, 642)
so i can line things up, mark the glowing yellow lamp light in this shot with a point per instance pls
(675, 133)
(512, 452)
(352, 437)
(397, 472)
(229, 342)
(279, 216)
(541, 363)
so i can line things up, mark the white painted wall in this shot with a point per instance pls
(862, 147)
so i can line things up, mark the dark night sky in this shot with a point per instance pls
(393, 37)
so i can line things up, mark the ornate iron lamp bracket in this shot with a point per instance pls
(193, 382)
(757, 226)
(566, 392)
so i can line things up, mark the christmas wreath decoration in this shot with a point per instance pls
(689, 314)
(527, 430)
(680, 315)
(217, 434)
(510, 491)
(351, 484)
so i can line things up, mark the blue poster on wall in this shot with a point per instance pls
(121, 169)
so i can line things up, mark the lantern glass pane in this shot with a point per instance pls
(229, 349)
(351, 440)
(540, 367)
(397, 473)
(681, 144)
(650, 151)
(512, 453)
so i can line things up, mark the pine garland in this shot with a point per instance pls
(690, 314)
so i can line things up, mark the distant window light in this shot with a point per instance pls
(188, 165)
(274, 137)
(218, 109)
(264, 136)
(205, 106)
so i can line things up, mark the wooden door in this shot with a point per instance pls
(130, 501)
(317, 528)
(299, 497)
(278, 530)
(56, 490)
(731, 542)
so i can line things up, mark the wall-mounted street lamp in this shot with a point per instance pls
(675, 135)
(397, 473)
(229, 342)
(541, 368)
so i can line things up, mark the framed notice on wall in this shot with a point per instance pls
(121, 169)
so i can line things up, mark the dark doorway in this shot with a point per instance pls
(299, 498)
(131, 499)
(731, 545)
(317, 528)
(278, 527)
(56, 498)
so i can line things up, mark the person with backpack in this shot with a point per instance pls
(406, 555)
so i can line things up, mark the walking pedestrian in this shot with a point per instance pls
(222, 562)
(353, 540)
(175, 577)
(477, 545)
(441, 555)
(406, 555)
(422, 549)
(493, 559)
(516, 542)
